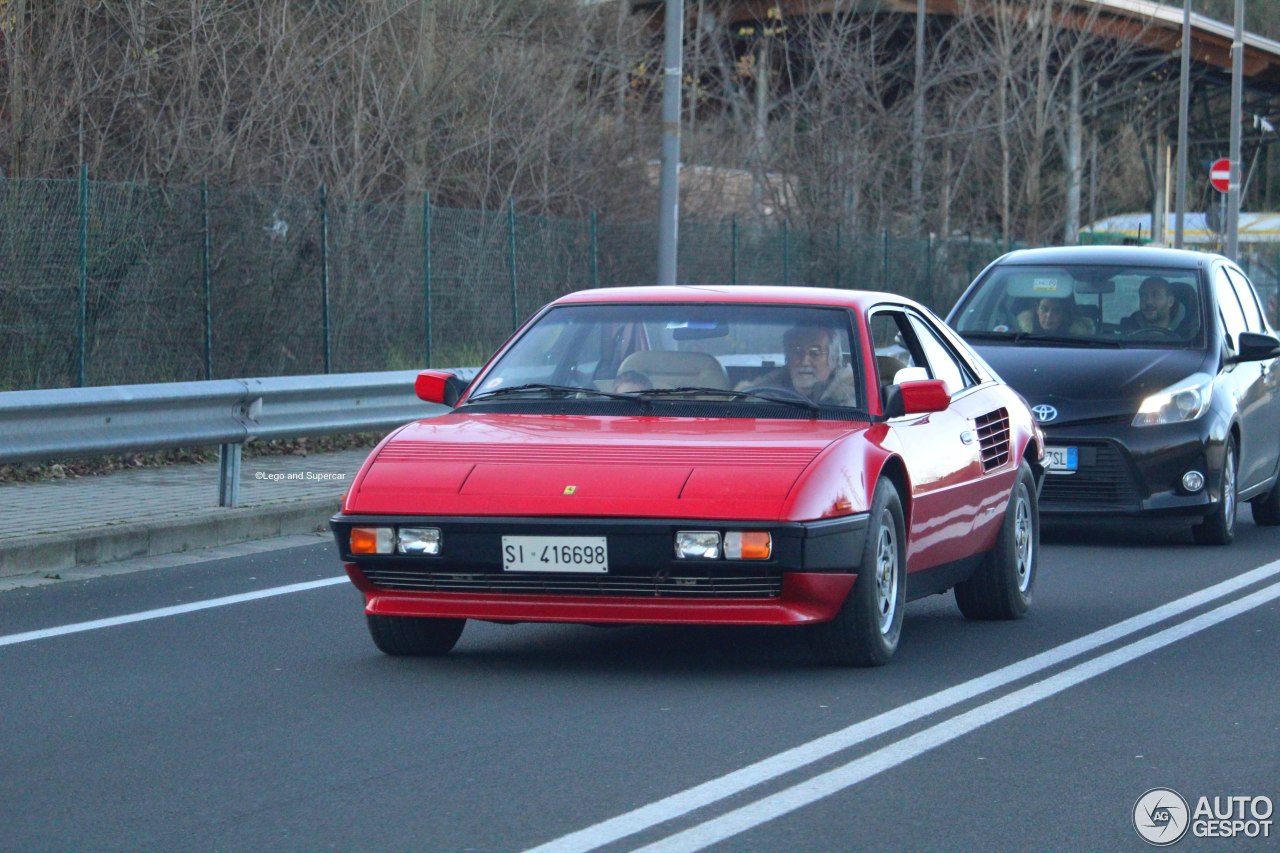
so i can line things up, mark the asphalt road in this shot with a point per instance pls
(210, 719)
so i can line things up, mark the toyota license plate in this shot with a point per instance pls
(555, 554)
(1061, 460)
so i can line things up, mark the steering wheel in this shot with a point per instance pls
(1154, 331)
(776, 391)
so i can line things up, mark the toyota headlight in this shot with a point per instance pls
(1179, 403)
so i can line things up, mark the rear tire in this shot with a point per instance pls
(866, 630)
(1000, 588)
(412, 636)
(1219, 526)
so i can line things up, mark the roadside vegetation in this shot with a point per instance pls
(553, 104)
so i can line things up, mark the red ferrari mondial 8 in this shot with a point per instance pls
(703, 455)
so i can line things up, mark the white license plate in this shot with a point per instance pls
(555, 554)
(1063, 459)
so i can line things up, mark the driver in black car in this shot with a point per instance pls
(813, 367)
(1158, 309)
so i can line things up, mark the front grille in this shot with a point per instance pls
(649, 586)
(1103, 481)
(993, 438)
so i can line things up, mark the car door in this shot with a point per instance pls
(939, 449)
(1258, 393)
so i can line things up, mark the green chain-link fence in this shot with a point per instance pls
(104, 283)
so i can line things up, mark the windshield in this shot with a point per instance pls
(737, 355)
(1086, 305)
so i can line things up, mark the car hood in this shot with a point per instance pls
(522, 465)
(1089, 383)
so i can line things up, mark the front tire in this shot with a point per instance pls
(1219, 526)
(412, 636)
(866, 630)
(1000, 588)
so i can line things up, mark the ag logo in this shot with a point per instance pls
(1044, 412)
(1161, 816)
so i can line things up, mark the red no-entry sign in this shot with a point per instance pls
(1220, 174)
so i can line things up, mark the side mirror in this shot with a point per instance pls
(916, 397)
(439, 386)
(1254, 346)
(924, 396)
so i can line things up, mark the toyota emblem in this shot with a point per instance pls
(1044, 412)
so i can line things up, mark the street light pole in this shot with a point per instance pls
(669, 189)
(1184, 97)
(1237, 86)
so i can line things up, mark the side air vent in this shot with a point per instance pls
(993, 439)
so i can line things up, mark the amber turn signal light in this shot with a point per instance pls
(371, 540)
(748, 545)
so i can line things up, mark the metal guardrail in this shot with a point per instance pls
(77, 422)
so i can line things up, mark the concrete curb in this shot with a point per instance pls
(43, 553)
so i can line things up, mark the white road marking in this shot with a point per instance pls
(161, 613)
(823, 785)
(649, 816)
(766, 809)
(163, 561)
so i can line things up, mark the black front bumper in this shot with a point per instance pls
(641, 552)
(1127, 470)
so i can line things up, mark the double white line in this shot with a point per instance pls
(817, 787)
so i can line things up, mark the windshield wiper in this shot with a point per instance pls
(990, 335)
(545, 387)
(645, 396)
(1070, 340)
(797, 401)
(1021, 337)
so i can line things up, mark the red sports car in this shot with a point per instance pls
(703, 455)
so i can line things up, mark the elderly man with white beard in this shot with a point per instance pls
(813, 367)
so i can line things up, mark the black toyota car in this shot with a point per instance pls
(1153, 373)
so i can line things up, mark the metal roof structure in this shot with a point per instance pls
(1157, 26)
(1197, 230)
(1153, 70)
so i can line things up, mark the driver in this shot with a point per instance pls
(813, 367)
(1158, 308)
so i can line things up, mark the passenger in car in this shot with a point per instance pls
(813, 367)
(1055, 316)
(631, 381)
(1158, 308)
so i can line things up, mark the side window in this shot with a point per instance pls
(942, 364)
(1249, 301)
(1229, 306)
(892, 343)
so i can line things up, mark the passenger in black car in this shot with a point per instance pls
(1055, 316)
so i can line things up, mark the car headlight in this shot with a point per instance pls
(419, 540)
(1179, 403)
(697, 545)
